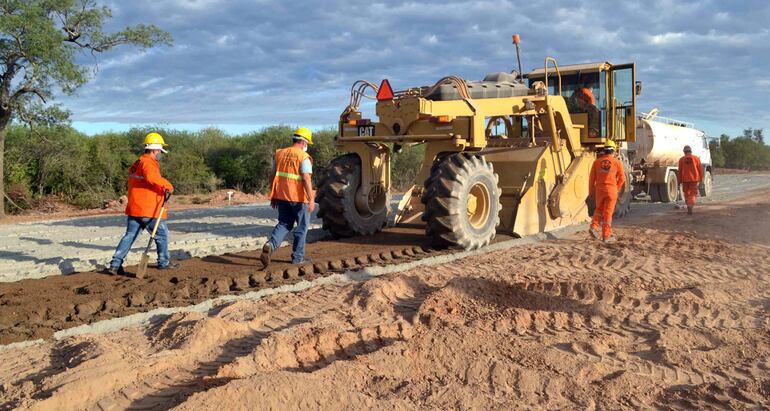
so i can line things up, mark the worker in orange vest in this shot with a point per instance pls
(604, 183)
(292, 194)
(146, 189)
(690, 177)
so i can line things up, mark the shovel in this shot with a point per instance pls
(141, 272)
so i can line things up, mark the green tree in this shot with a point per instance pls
(39, 42)
(717, 154)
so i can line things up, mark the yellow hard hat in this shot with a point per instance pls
(610, 144)
(304, 132)
(154, 138)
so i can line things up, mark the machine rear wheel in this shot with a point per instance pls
(705, 186)
(623, 206)
(337, 201)
(669, 192)
(464, 203)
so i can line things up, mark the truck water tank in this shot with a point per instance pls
(659, 141)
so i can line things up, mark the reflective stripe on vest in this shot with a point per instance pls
(289, 175)
(288, 184)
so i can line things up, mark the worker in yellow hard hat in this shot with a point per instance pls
(146, 191)
(604, 183)
(292, 195)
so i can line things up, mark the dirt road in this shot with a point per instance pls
(675, 315)
(43, 248)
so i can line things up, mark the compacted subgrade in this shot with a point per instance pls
(37, 308)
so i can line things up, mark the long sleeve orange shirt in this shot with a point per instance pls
(690, 169)
(607, 175)
(146, 187)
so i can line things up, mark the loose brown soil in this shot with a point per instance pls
(37, 308)
(675, 315)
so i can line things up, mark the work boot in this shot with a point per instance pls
(171, 266)
(689, 210)
(114, 271)
(610, 239)
(595, 233)
(267, 252)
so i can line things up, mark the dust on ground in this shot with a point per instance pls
(673, 316)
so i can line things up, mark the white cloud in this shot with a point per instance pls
(722, 17)
(294, 61)
(666, 38)
(432, 39)
(224, 40)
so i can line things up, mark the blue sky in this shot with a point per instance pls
(241, 65)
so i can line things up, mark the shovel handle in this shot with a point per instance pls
(166, 196)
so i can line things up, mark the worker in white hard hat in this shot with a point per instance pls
(146, 191)
(292, 195)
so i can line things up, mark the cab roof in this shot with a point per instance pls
(572, 68)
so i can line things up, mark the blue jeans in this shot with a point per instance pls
(288, 214)
(134, 225)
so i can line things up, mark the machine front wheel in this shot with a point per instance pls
(337, 206)
(464, 203)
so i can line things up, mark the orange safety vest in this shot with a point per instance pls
(146, 188)
(288, 184)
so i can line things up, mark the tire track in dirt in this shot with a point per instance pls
(282, 341)
(614, 312)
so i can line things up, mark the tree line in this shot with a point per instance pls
(88, 171)
(746, 152)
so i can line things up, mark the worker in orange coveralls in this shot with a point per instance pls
(690, 176)
(604, 183)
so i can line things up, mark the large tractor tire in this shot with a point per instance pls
(669, 192)
(706, 185)
(337, 205)
(462, 202)
(623, 206)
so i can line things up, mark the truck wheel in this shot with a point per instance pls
(669, 192)
(705, 186)
(654, 193)
(337, 205)
(465, 204)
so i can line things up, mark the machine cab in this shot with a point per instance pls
(600, 97)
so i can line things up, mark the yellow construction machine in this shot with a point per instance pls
(510, 153)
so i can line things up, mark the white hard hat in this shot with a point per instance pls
(155, 147)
